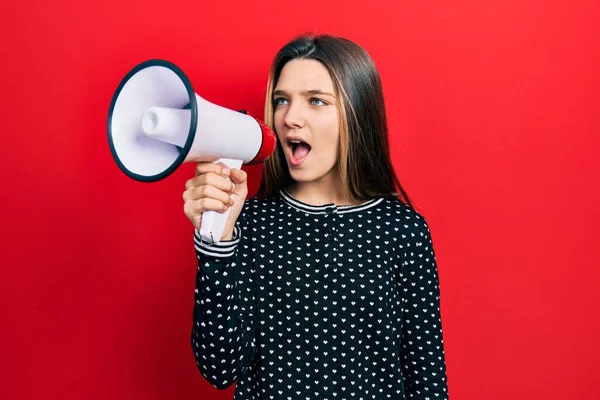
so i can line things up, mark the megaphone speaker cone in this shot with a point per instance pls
(157, 121)
(153, 83)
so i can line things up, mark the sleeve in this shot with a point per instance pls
(422, 345)
(224, 321)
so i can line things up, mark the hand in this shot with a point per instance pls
(211, 189)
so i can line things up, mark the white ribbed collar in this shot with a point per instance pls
(326, 208)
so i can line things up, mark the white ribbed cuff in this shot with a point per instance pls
(225, 248)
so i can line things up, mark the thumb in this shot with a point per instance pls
(239, 177)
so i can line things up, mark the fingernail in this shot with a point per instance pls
(226, 171)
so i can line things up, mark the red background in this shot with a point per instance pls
(494, 117)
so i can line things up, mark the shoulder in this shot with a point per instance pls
(408, 222)
(402, 211)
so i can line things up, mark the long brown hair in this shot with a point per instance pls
(364, 161)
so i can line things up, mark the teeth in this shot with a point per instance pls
(295, 141)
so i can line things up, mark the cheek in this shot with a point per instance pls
(278, 124)
(327, 131)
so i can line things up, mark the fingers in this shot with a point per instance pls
(210, 179)
(218, 169)
(196, 208)
(208, 191)
(211, 189)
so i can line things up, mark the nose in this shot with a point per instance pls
(294, 117)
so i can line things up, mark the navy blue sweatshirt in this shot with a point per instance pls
(321, 302)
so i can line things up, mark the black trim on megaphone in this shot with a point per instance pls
(193, 121)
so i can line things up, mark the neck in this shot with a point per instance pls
(320, 192)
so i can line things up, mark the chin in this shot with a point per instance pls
(308, 174)
(302, 176)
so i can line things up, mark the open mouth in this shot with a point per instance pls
(298, 149)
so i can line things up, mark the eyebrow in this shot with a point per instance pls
(304, 92)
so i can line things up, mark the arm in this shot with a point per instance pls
(224, 319)
(422, 351)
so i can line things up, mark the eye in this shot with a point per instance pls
(317, 102)
(279, 101)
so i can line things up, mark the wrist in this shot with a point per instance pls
(227, 236)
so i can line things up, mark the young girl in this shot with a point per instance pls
(325, 285)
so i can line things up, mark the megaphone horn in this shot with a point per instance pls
(157, 122)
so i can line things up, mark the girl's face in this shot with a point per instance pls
(306, 120)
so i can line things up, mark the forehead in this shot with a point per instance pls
(301, 74)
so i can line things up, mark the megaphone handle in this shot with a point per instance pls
(213, 222)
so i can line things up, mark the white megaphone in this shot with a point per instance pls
(156, 122)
